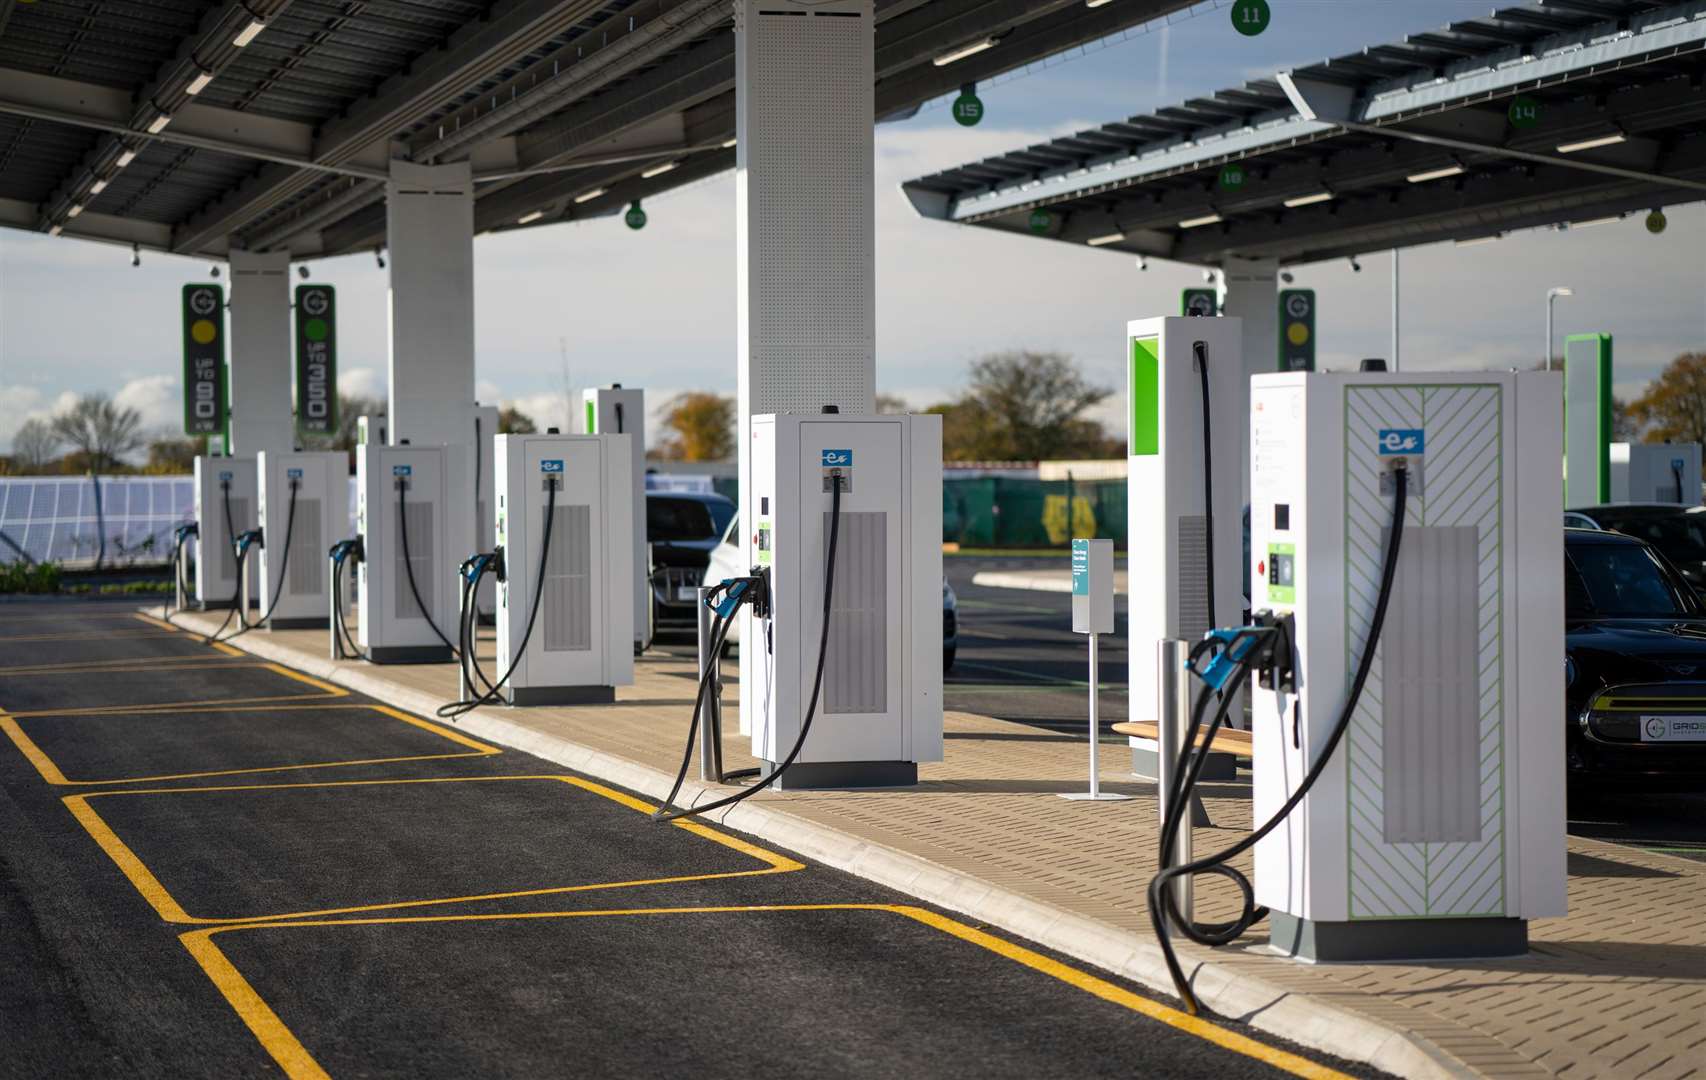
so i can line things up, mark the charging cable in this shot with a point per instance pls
(283, 566)
(409, 564)
(180, 536)
(1200, 349)
(238, 550)
(343, 553)
(664, 813)
(1227, 657)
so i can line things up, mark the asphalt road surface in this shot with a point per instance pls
(213, 867)
(1019, 660)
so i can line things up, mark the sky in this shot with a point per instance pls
(656, 308)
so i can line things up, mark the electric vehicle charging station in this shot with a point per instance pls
(1656, 472)
(1437, 828)
(227, 497)
(573, 492)
(304, 500)
(405, 555)
(619, 410)
(879, 709)
(1170, 538)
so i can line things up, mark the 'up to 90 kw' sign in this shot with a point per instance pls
(204, 360)
(316, 359)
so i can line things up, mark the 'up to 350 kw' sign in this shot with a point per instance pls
(316, 359)
(204, 360)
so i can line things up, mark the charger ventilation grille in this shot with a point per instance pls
(1191, 577)
(307, 554)
(856, 672)
(421, 555)
(566, 608)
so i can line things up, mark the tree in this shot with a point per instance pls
(512, 421)
(34, 446)
(350, 409)
(1624, 426)
(102, 432)
(701, 427)
(891, 405)
(170, 455)
(1024, 406)
(1673, 408)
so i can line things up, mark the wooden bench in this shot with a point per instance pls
(1226, 740)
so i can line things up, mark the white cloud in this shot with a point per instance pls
(18, 404)
(362, 382)
(157, 398)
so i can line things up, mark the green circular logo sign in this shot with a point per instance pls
(316, 329)
(1232, 177)
(1524, 111)
(1251, 17)
(1041, 221)
(635, 217)
(1657, 222)
(968, 109)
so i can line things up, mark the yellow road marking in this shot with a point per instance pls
(126, 664)
(51, 772)
(168, 908)
(326, 688)
(299, 1064)
(159, 624)
(88, 635)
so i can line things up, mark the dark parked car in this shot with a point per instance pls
(1635, 666)
(682, 528)
(1679, 532)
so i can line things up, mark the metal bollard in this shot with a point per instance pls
(1173, 717)
(711, 728)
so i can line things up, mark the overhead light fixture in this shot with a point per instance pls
(302, 271)
(1596, 221)
(76, 208)
(249, 33)
(158, 124)
(55, 229)
(125, 158)
(1096, 3)
(588, 196)
(1309, 200)
(1435, 174)
(964, 51)
(199, 83)
(729, 144)
(1102, 241)
(1593, 144)
(1198, 222)
(98, 186)
(659, 170)
(1478, 241)
(528, 219)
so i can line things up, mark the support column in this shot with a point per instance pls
(1249, 290)
(429, 229)
(261, 417)
(805, 221)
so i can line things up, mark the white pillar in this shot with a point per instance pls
(804, 214)
(261, 417)
(429, 229)
(1249, 290)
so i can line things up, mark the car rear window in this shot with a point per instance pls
(1681, 537)
(678, 519)
(1618, 580)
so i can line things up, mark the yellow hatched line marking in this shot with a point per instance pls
(326, 688)
(158, 624)
(81, 635)
(299, 1064)
(130, 664)
(168, 908)
(51, 772)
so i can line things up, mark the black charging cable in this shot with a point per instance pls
(283, 569)
(343, 553)
(238, 551)
(181, 536)
(1200, 349)
(409, 564)
(664, 812)
(1163, 906)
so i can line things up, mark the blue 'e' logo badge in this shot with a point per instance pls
(551, 465)
(1401, 441)
(833, 459)
(402, 470)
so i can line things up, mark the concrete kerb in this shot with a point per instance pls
(1225, 989)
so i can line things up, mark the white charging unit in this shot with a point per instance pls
(223, 483)
(620, 410)
(879, 712)
(392, 626)
(1656, 473)
(1437, 827)
(1166, 527)
(581, 647)
(295, 589)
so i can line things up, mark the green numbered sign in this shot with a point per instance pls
(968, 109)
(204, 359)
(1232, 177)
(1251, 17)
(316, 359)
(1041, 221)
(1524, 111)
(1297, 330)
(635, 217)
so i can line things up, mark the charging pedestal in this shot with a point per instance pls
(1166, 528)
(879, 712)
(1656, 472)
(296, 589)
(392, 627)
(619, 410)
(581, 644)
(485, 482)
(1093, 616)
(1437, 827)
(216, 479)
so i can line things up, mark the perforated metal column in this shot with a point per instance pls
(260, 352)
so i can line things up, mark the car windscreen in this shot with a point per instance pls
(721, 514)
(1618, 581)
(1681, 537)
(678, 519)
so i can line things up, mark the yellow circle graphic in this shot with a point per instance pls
(203, 331)
(1297, 333)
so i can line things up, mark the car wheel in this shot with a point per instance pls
(948, 660)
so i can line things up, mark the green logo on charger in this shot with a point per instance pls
(1251, 17)
(1232, 177)
(968, 109)
(1524, 112)
(1041, 221)
(635, 217)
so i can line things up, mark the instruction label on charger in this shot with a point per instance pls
(1081, 568)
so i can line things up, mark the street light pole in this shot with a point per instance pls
(1552, 296)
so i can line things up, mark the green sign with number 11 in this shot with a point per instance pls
(1251, 17)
